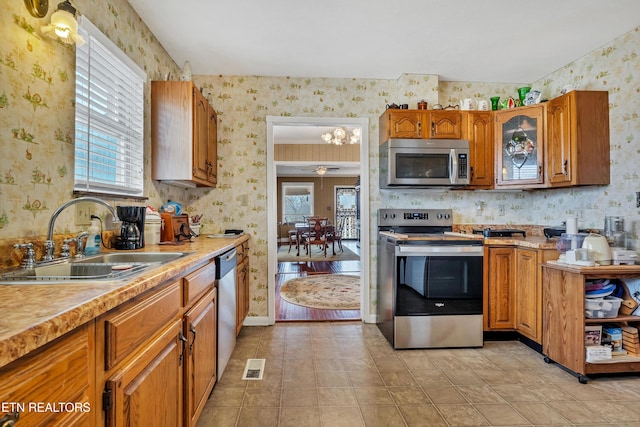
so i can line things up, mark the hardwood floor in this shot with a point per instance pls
(287, 312)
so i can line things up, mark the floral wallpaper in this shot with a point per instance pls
(37, 111)
(36, 127)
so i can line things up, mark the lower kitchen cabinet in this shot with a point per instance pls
(513, 299)
(242, 285)
(200, 328)
(141, 351)
(147, 391)
(564, 322)
(499, 288)
(53, 386)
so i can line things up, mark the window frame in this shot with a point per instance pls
(311, 195)
(109, 119)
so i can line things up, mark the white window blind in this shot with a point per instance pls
(297, 201)
(109, 144)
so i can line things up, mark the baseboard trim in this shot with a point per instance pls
(257, 321)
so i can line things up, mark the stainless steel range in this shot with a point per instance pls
(429, 284)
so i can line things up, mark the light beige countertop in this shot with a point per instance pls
(36, 314)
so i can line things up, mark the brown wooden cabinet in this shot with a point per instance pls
(479, 132)
(242, 285)
(513, 299)
(147, 390)
(183, 135)
(520, 147)
(140, 348)
(435, 124)
(528, 290)
(564, 321)
(443, 124)
(499, 282)
(578, 139)
(59, 374)
(200, 328)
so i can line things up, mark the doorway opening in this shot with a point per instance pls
(283, 164)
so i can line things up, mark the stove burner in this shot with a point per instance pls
(500, 232)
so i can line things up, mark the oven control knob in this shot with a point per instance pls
(439, 216)
(447, 216)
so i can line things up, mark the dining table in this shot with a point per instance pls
(303, 227)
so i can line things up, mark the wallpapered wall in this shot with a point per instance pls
(37, 92)
(36, 127)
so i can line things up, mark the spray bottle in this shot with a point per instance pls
(94, 239)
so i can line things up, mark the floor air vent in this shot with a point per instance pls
(254, 369)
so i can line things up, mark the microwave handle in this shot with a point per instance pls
(453, 166)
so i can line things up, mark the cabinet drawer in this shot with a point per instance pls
(127, 329)
(198, 283)
(58, 375)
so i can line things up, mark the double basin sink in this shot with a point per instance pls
(110, 266)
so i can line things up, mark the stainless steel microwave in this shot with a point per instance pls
(424, 163)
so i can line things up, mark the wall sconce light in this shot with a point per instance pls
(64, 26)
(37, 8)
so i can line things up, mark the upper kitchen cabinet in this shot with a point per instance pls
(444, 124)
(395, 123)
(184, 135)
(578, 139)
(437, 124)
(479, 132)
(519, 136)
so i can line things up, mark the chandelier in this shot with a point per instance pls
(342, 136)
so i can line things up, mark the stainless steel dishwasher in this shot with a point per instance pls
(226, 278)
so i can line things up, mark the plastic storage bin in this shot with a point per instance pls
(601, 308)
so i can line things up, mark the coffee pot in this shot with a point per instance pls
(132, 227)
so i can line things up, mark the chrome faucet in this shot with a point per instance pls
(49, 245)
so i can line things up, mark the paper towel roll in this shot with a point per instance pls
(572, 225)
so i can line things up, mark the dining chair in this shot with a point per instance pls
(316, 234)
(334, 235)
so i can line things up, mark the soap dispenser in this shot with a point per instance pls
(94, 239)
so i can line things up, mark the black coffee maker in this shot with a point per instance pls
(132, 228)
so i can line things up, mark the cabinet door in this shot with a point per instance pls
(148, 390)
(501, 272)
(563, 314)
(200, 367)
(212, 146)
(527, 294)
(480, 136)
(403, 124)
(62, 371)
(200, 136)
(559, 141)
(443, 125)
(520, 147)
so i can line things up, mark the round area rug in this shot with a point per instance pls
(327, 291)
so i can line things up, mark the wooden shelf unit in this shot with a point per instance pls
(564, 321)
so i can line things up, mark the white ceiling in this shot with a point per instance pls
(504, 41)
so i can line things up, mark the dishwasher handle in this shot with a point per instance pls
(229, 256)
(225, 263)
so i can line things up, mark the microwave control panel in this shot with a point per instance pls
(462, 166)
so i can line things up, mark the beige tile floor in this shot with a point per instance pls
(346, 374)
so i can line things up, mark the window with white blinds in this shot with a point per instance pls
(109, 144)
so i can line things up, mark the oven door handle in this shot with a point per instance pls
(439, 250)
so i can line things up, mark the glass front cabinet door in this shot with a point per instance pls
(519, 152)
